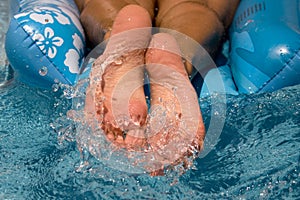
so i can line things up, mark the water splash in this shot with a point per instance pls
(43, 71)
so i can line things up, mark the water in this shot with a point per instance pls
(257, 155)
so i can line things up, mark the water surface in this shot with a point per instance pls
(256, 156)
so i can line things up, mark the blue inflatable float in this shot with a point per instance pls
(265, 45)
(264, 49)
(45, 44)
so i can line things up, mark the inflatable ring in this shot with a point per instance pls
(265, 45)
(264, 40)
(45, 42)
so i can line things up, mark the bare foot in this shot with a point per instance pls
(175, 126)
(115, 95)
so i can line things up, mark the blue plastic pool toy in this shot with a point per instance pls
(45, 45)
(45, 42)
(265, 45)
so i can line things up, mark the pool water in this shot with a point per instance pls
(256, 156)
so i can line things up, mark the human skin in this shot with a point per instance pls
(105, 96)
(205, 21)
(116, 92)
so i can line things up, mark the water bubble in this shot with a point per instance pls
(68, 91)
(55, 87)
(43, 71)
(122, 121)
(118, 62)
(160, 99)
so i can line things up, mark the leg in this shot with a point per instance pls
(205, 21)
(97, 16)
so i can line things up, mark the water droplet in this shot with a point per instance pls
(129, 19)
(126, 122)
(118, 62)
(27, 66)
(55, 87)
(174, 89)
(43, 71)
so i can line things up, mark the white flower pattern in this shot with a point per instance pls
(45, 15)
(73, 55)
(48, 42)
(43, 25)
(71, 61)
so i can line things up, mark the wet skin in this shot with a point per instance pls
(117, 100)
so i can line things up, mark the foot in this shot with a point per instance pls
(175, 127)
(115, 95)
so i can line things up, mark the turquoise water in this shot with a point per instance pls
(256, 156)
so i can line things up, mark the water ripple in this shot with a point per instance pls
(257, 154)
